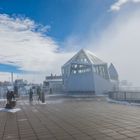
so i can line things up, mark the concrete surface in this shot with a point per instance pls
(70, 119)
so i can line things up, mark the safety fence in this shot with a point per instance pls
(132, 96)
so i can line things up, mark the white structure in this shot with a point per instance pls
(53, 84)
(86, 73)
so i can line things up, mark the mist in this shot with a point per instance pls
(119, 43)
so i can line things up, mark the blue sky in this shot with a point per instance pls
(65, 17)
(41, 35)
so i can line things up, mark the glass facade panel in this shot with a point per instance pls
(79, 68)
(101, 70)
(81, 58)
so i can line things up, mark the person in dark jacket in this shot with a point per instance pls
(39, 93)
(31, 95)
(11, 103)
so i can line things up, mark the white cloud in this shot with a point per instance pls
(117, 5)
(24, 44)
(5, 76)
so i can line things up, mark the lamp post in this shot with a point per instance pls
(12, 79)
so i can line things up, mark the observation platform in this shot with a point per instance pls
(70, 119)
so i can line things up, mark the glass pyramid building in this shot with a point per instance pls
(85, 73)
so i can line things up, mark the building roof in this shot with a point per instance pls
(91, 58)
(53, 78)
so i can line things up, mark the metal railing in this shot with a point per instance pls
(123, 95)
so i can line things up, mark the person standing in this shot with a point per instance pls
(39, 93)
(31, 95)
(11, 102)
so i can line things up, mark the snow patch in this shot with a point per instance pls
(10, 110)
(3, 100)
(21, 120)
(54, 102)
(122, 102)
